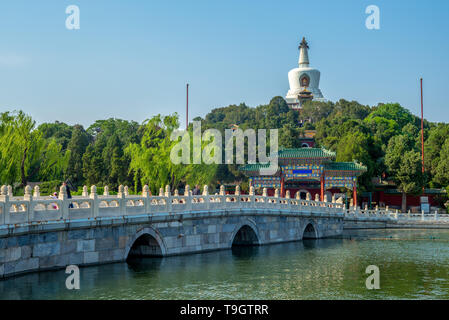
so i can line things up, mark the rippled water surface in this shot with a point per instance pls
(414, 264)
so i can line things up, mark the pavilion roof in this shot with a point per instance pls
(344, 166)
(306, 153)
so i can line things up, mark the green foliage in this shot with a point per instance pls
(49, 187)
(385, 138)
(403, 162)
(77, 145)
(25, 155)
(151, 157)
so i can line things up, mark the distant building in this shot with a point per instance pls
(304, 81)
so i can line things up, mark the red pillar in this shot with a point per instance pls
(355, 195)
(282, 186)
(322, 187)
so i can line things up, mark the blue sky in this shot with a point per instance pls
(131, 59)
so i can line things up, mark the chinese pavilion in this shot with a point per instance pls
(307, 170)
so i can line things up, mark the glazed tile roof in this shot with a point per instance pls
(306, 153)
(253, 167)
(344, 166)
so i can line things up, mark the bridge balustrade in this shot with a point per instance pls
(37, 209)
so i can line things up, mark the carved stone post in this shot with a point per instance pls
(64, 203)
(167, 191)
(168, 196)
(122, 199)
(106, 191)
(10, 192)
(85, 193)
(287, 194)
(276, 193)
(188, 195)
(28, 197)
(237, 190)
(161, 192)
(4, 197)
(95, 203)
(146, 198)
(126, 191)
(36, 193)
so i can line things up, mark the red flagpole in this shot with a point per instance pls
(187, 108)
(422, 133)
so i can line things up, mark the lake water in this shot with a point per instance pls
(414, 264)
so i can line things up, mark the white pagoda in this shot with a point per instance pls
(304, 81)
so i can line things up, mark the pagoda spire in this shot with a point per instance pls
(303, 53)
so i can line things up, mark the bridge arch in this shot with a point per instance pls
(310, 230)
(146, 242)
(245, 233)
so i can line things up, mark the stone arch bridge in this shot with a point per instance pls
(38, 233)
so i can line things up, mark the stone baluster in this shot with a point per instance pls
(85, 193)
(237, 190)
(187, 191)
(64, 207)
(167, 192)
(146, 197)
(317, 197)
(287, 194)
(252, 196)
(28, 197)
(121, 199)
(106, 191)
(333, 199)
(161, 192)
(176, 195)
(205, 190)
(188, 195)
(265, 192)
(37, 192)
(386, 210)
(308, 198)
(126, 191)
(297, 195)
(4, 197)
(10, 193)
(95, 203)
(222, 195)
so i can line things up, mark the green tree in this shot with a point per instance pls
(25, 154)
(77, 145)
(404, 166)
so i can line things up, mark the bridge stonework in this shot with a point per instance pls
(112, 240)
(38, 233)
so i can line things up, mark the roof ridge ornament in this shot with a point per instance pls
(303, 44)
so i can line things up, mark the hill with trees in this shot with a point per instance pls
(385, 138)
